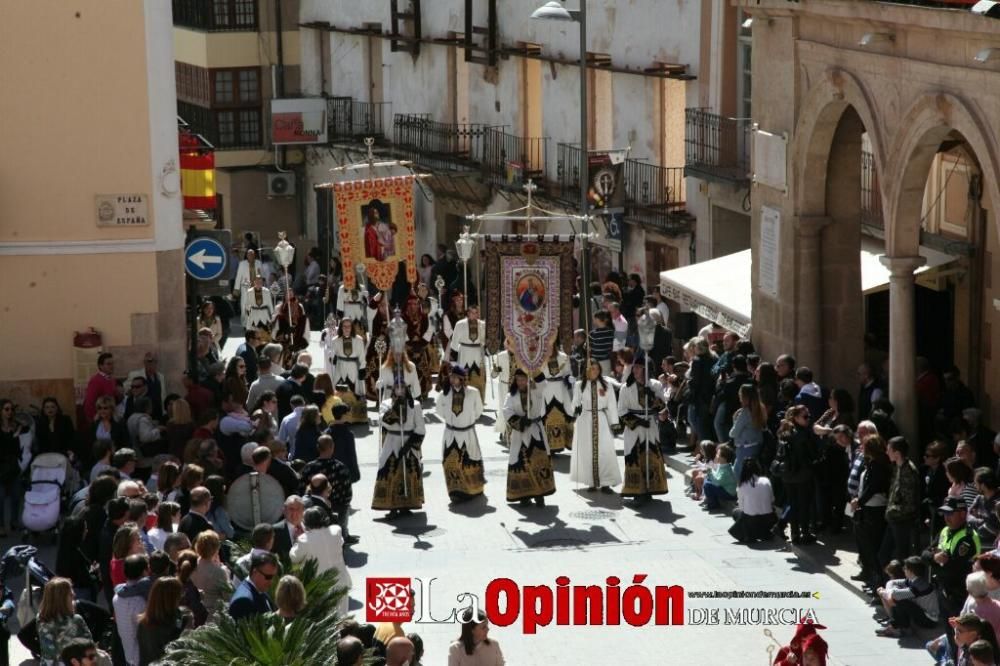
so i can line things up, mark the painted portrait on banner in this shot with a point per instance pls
(531, 301)
(376, 228)
(379, 231)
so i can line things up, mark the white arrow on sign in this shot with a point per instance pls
(200, 258)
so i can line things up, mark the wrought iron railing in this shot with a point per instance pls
(716, 146)
(509, 160)
(653, 187)
(566, 185)
(434, 145)
(871, 194)
(216, 15)
(350, 119)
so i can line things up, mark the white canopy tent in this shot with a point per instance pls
(720, 289)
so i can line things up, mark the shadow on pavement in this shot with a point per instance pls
(474, 508)
(355, 559)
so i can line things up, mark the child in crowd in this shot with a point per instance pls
(908, 601)
(704, 463)
(981, 654)
(720, 484)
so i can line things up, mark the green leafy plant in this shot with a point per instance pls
(269, 640)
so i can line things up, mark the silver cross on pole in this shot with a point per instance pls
(529, 187)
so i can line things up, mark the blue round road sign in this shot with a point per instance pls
(204, 259)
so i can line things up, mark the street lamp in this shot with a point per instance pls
(554, 11)
(647, 339)
(464, 246)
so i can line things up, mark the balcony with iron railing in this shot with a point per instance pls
(654, 195)
(216, 15)
(440, 146)
(349, 119)
(509, 161)
(717, 147)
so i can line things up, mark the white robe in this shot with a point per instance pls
(472, 409)
(555, 388)
(326, 546)
(255, 316)
(346, 367)
(581, 463)
(413, 423)
(353, 305)
(536, 410)
(386, 379)
(628, 403)
(504, 372)
(470, 352)
(244, 282)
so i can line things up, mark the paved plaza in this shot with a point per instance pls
(589, 537)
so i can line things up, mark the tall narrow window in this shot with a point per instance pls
(745, 79)
(458, 85)
(601, 107)
(531, 112)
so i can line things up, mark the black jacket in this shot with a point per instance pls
(876, 479)
(192, 525)
(798, 450)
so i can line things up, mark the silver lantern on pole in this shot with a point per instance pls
(465, 246)
(397, 345)
(284, 252)
(647, 339)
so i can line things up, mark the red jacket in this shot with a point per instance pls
(99, 385)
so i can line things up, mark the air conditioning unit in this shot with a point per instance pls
(280, 184)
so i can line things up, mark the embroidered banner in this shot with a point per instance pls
(531, 304)
(376, 228)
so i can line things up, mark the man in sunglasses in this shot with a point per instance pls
(250, 597)
(79, 652)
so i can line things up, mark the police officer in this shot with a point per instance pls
(951, 558)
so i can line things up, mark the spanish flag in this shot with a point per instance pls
(197, 173)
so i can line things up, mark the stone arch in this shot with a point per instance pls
(924, 126)
(819, 117)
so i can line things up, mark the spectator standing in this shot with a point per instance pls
(58, 623)
(903, 505)
(250, 597)
(129, 602)
(163, 620)
(474, 647)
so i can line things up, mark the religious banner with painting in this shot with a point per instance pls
(376, 228)
(530, 303)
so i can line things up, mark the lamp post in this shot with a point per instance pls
(647, 339)
(464, 246)
(397, 343)
(554, 11)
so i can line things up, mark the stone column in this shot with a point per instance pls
(903, 342)
(809, 334)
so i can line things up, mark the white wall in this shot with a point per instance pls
(635, 33)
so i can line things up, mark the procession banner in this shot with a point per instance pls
(376, 228)
(531, 301)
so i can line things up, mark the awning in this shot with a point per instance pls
(719, 289)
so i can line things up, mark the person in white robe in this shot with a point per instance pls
(258, 308)
(529, 468)
(459, 407)
(346, 358)
(503, 371)
(399, 487)
(594, 462)
(467, 347)
(557, 391)
(246, 272)
(325, 544)
(640, 403)
(353, 304)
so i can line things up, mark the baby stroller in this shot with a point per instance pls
(44, 497)
(36, 575)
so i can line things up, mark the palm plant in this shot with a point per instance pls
(269, 640)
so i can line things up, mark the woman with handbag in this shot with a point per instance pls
(797, 453)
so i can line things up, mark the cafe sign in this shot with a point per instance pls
(122, 210)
